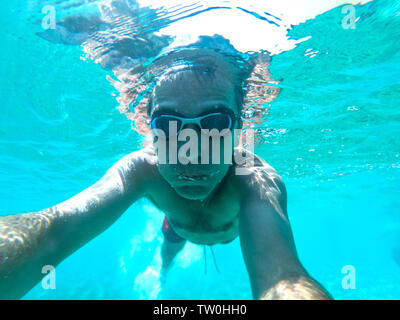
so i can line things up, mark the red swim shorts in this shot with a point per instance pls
(169, 233)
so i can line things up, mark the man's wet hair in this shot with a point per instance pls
(248, 73)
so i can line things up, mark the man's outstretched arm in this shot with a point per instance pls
(267, 243)
(30, 241)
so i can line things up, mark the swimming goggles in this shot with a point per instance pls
(217, 120)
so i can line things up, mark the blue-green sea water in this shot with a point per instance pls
(332, 134)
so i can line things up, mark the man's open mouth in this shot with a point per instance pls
(192, 178)
(196, 177)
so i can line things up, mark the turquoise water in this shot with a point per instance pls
(332, 134)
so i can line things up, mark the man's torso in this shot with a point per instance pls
(212, 221)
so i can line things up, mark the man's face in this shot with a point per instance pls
(185, 96)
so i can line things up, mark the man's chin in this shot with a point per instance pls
(193, 192)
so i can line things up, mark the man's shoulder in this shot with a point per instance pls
(247, 163)
(141, 158)
(255, 174)
(138, 165)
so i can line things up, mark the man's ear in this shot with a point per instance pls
(237, 133)
(240, 122)
(238, 130)
(149, 105)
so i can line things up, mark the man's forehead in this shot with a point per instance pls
(188, 91)
(191, 107)
(187, 98)
(192, 91)
(208, 104)
(187, 81)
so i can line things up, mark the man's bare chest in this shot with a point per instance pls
(212, 221)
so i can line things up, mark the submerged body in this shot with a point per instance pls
(252, 206)
(205, 203)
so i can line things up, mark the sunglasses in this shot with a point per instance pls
(216, 120)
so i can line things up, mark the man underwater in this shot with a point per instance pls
(205, 202)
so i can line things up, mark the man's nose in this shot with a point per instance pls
(192, 145)
(192, 157)
(192, 126)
